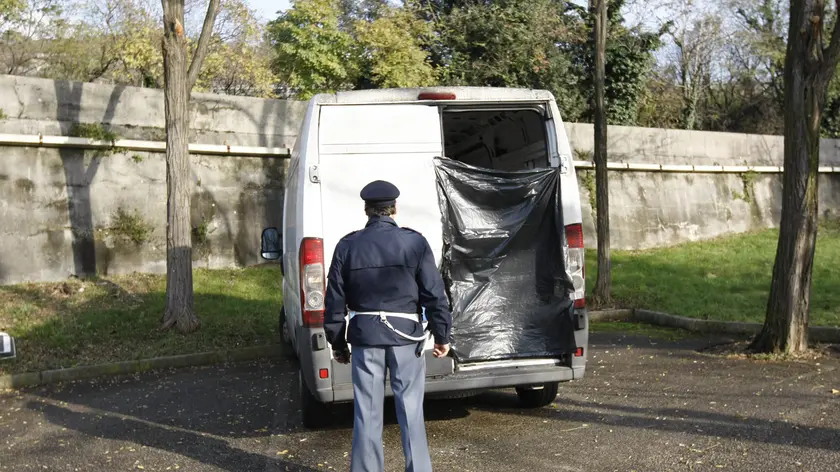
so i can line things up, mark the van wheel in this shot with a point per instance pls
(537, 398)
(315, 413)
(287, 351)
(281, 324)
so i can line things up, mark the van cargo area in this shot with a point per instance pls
(503, 259)
(477, 182)
(507, 139)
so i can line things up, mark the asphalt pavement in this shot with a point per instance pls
(645, 405)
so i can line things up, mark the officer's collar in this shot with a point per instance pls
(382, 219)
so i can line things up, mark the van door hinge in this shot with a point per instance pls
(564, 163)
(314, 175)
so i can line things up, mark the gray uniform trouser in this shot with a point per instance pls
(408, 375)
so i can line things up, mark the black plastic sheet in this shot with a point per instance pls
(503, 262)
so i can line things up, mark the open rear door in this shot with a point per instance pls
(505, 248)
(362, 143)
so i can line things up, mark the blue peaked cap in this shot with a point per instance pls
(380, 193)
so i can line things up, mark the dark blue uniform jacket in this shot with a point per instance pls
(384, 268)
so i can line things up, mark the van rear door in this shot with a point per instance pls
(394, 142)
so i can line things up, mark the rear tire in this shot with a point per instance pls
(281, 324)
(538, 398)
(315, 413)
(287, 350)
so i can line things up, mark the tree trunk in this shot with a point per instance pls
(689, 87)
(602, 190)
(808, 70)
(180, 312)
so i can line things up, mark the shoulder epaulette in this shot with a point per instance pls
(350, 234)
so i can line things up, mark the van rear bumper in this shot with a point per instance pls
(462, 381)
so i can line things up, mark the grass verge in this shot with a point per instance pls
(723, 279)
(73, 323)
(641, 329)
(66, 324)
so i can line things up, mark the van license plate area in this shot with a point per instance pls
(437, 367)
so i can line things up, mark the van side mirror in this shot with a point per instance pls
(271, 246)
(7, 346)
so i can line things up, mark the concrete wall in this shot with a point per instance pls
(652, 209)
(58, 207)
(60, 211)
(50, 107)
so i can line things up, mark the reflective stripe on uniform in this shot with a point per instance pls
(383, 317)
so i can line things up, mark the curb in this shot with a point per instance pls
(610, 315)
(697, 325)
(29, 379)
(820, 334)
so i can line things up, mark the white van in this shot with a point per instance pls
(352, 138)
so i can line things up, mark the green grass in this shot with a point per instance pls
(722, 279)
(643, 329)
(76, 322)
(87, 322)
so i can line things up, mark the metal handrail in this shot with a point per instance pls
(41, 140)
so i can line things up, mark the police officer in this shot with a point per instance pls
(383, 276)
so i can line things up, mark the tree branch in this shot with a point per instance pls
(831, 54)
(204, 43)
(98, 73)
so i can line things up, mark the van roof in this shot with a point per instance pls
(473, 94)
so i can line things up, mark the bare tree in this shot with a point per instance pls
(179, 79)
(696, 48)
(762, 30)
(809, 67)
(26, 31)
(602, 190)
(697, 31)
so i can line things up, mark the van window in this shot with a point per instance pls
(503, 139)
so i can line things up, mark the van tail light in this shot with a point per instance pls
(574, 235)
(574, 238)
(436, 96)
(312, 282)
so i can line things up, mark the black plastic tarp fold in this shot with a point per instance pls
(503, 262)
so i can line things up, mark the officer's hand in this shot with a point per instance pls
(342, 355)
(441, 350)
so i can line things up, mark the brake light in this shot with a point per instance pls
(324, 373)
(312, 283)
(579, 352)
(577, 269)
(574, 235)
(436, 96)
